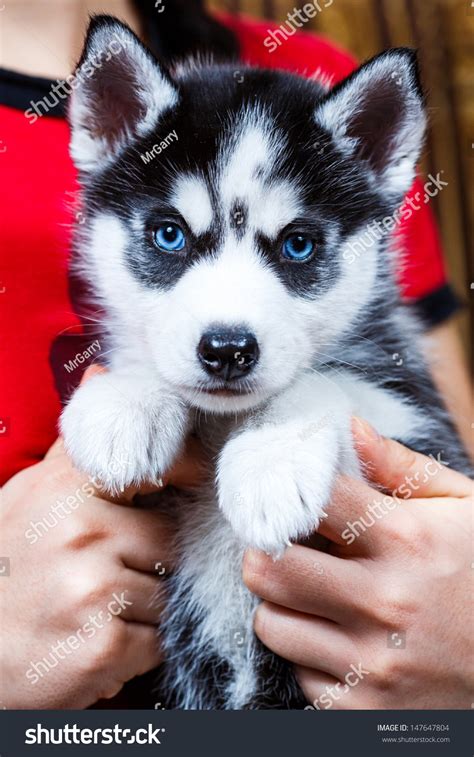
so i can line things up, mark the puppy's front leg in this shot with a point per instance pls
(275, 477)
(123, 428)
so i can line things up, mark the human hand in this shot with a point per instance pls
(80, 604)
(383, 620)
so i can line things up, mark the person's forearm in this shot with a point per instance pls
(444, 352)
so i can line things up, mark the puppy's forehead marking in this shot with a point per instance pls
(277, 205)
(248, 156)
(252, 199)
(248, 196)
(191, 199)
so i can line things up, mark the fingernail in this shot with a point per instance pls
(254, 560)
(363, 432)
(254, 555)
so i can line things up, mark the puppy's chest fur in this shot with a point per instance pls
(215, 660)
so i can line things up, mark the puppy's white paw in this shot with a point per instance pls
(274, 484)
(122, 433)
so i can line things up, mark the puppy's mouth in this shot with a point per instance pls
(223, 389)
(222, 397)
(230, 391)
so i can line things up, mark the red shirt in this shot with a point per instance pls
(39, 330)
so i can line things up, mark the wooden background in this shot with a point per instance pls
(443, 32)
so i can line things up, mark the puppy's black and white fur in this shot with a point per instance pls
(259, 157)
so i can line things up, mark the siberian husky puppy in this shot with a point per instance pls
(230, 241)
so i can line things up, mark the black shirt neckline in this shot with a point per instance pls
(31, 93)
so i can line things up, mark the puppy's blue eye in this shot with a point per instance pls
(297, 247)
(169, 237)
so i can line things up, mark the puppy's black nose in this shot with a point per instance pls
(228, 353)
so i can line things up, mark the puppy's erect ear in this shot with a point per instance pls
(119, 93)
(377, 115)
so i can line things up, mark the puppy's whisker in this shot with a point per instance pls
(334, 359)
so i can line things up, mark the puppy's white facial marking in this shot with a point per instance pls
(357, 277)
(245, 179)
(275, 206)
(248, 157)
(115, 288)
(191, 199)
(245, 292)
(167, 326)
(106, 254)
(251, 201)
